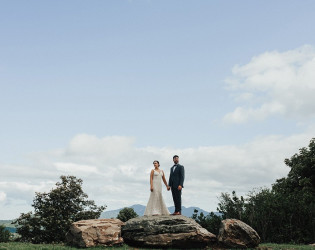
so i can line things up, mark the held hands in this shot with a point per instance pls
(179, 188)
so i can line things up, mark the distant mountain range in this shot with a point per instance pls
(8, 225)
(139, 209)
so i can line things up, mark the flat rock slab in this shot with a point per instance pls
(234, 233)
(166, 232)
(98, 232)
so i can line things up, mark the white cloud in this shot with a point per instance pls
(72, 167)
(26, 189)
(3, 196)
(17, 195)
(121, 178)
(274, 84)
(107, 147)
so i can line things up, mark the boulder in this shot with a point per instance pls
(237, 234)
(98, 232)
(166, 232)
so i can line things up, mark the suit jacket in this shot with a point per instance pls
(177, 177)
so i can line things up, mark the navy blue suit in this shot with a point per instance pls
(177, 179)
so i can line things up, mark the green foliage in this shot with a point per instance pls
(297, 195)
(55, 211)
(273, 246)
(211, 222)
(231, 207)
(262, 210)
(126, 214)
(286, 212)
(4, 234)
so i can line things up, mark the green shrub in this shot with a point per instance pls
(126, 214)
(4, 234)
(211, 222)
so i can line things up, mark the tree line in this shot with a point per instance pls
(284, 213)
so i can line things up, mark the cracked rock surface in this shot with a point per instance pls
(166, 231)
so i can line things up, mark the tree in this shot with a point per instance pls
(127, 213)
(302, 173)
(231, 207)
(297, 191)
(286, 212)
(211, 222)
(55, 211)
(263, 211)
(4, 234)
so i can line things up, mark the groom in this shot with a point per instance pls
(176, 183)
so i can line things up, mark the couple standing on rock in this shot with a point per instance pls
(156, 204)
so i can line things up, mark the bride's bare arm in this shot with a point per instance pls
(151, 180)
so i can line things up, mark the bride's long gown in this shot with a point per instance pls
(156, 204)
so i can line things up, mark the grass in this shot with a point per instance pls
(29, 246)
(274, 246)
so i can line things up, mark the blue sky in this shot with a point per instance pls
(119, 84)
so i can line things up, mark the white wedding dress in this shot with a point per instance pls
(156, 204)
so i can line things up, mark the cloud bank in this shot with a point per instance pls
(274, 84)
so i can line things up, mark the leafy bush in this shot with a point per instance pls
(56, 211)
(286, 212)
(4, 234)
(126, 214)
(211, 222)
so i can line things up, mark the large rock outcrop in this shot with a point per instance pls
(98, 232)
(237, 234)
(166, 231)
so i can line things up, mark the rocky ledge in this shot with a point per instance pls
(161, 232)
(166, 232)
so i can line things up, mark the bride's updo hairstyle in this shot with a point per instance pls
(157, 162)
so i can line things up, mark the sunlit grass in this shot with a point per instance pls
(285, 246)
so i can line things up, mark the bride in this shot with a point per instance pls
(156, 204)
